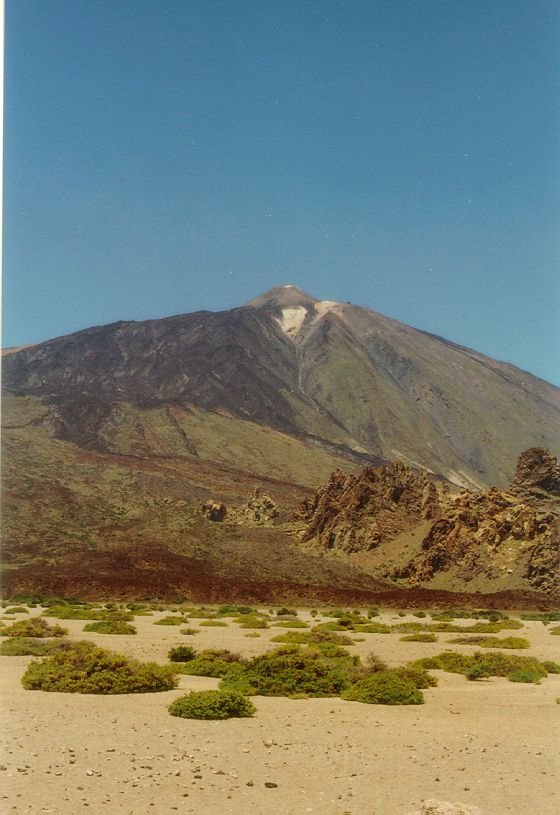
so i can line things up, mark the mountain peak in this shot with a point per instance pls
(288, 296)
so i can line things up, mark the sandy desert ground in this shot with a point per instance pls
(490, 745)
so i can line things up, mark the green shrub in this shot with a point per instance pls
(524, 675)
(212, 704)
(420, 636)
(372, 628)
(543, 616)
(314, 637)
(493, 642)
(171, 620)
(28, 646)
(182, 653)
(212, 662)
(384, 688)
(251, 622)
(343, 624)
(110, 627)
(33, 627)
(373, 612)
(65, 612)
(230, 610)
(481, 665)
(286, 612)
(288, 672)
(213, 623)
(551, 667)
(419, 614)
(555, 630)
(419, 677)
(25, 599)
(17, 610)
(252, 634)
(189, 632)
(84, 668)
(477, 628)
(449, 661)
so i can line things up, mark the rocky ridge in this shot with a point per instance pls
(494, 536)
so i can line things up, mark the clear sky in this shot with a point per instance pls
(164, 156)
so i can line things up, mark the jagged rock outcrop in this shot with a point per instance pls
(511, 537)
(489, 534)
(359, 512)
(214, 510)
(537, 475)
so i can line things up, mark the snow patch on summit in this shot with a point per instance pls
(291, 320)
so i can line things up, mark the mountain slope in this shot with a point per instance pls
(337, 375)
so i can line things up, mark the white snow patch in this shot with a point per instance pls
(292, 319)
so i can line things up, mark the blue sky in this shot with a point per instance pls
(164, 156)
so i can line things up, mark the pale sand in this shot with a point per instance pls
(491, 745)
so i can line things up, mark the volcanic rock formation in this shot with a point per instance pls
(487, 536)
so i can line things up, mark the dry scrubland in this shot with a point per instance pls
(490, 744)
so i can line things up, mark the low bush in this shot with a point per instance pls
(213, 623)
(420, 636)
(182, 653)
(314, 637)
(286, 612)
(373, 612)
(528, 675)
(477, 628)
(286, 672)
(189, 632)
(419, 677)
(493, 642)
(215, 663)
(84, 668)
(384, 688)
(110, 627)
(16, 610)
(230, 610)
(251, 622)
(29, 646)
(449, 661)
(543, 616)
(33, 627)
(212, 704)
(372, 628)
(65, 612)
(419, 614)
(550, 666)
(481, 665)
(170, 620)
(555, 630)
